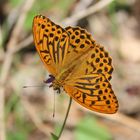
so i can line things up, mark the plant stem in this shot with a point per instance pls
(67, 113)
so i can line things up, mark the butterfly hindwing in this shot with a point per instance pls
(94, 92)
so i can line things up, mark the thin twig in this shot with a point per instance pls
(25, 43)
(8, 61)
(34, 117)
(123, 119)
(37, 121)
(1, 51)
(12, 44)
(0, 37)
(86, 12)
(67, 113)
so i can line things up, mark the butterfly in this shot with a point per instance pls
(78, 64)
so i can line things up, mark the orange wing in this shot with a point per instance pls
(94, 92)
(88, 82)
(92, 57)
(51, 42)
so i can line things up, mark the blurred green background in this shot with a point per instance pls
(28, 112)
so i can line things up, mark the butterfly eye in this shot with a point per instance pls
(50, 79)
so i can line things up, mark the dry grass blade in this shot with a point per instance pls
(34, 117)
(93, 9)
(123, 119)
(8, 61)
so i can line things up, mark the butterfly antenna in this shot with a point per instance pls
(34, 86)
(54, 105)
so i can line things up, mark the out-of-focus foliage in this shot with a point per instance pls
(112, 9)
(21, 128)
(62, 5)
(89, 129)
(15, 3)
(54, 137)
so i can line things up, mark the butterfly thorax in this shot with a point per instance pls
(59, 81)
(61, 77)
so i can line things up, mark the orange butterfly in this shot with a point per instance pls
(77, 63)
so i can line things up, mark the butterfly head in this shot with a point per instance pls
(50, 79)
(54, 83)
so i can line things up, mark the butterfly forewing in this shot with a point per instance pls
(80, 43)
(92, 57)
(51, 42)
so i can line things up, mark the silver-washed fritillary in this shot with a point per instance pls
(77, 64)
